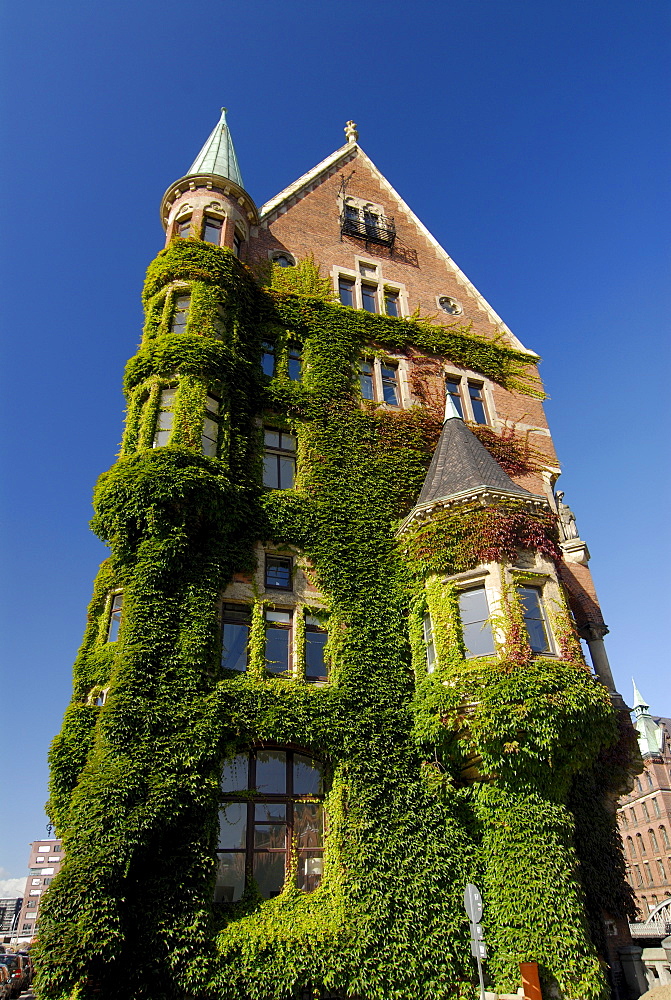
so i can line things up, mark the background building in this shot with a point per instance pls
(44, 863)
(644, 815)
(332, 670)
(9, 915)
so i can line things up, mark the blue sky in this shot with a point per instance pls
(529, 136)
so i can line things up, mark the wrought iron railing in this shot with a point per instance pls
(372, 228)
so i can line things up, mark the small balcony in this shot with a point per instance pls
(368, 226)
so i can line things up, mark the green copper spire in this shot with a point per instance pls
(649, 733)
(218, 155)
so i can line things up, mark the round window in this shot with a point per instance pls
(283, 259)
(449, 305)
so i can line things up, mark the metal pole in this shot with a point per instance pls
(482, 981)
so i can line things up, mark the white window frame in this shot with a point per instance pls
(465, 376)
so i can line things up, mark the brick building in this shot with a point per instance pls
(644, 815)
(333, 670)
(44, 863)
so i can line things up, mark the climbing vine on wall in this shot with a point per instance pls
(135, 782)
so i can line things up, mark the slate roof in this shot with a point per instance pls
(461, 462)
(218, 155)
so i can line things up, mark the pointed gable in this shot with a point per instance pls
(304, 218)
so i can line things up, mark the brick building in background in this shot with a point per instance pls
(644, 816)
(44, 863)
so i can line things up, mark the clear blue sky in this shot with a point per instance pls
(530, 136)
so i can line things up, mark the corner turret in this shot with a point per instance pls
(649, 733)
(210, 201)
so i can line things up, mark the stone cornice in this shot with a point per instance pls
(212, 182)
(481, 496)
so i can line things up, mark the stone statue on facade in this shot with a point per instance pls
(567, 523)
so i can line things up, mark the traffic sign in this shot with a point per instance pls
(473, 903)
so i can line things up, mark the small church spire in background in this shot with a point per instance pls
(351, 131)
(218, 155)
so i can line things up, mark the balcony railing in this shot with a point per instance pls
(368, 226)
(651, 929)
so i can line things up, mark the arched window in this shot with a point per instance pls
(653, 841)
(271, 812)
(641, 845)
(632, 849)
(665, 837)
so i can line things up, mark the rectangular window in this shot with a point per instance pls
(237, 620)
(371, 222)
(366, 379)
(278, 573)
(534, 619)
(427, 627)
(211, 426)
(237, 244)
(35, 881)
(476, 394)
(278, 641)
(389, 384)
(268, 358)
(369, 298)
(294, 362)
(113, 627)
(279, 459)
(183, 227)
(391, 303)
(644, 807)
(477, 631)
(315, 641)
(655, 806)
(453, 389)
(212, 230)
(346, 291)
(164, 419)
(662, 870)
(180, 313)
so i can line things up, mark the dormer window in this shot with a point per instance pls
(212, 230)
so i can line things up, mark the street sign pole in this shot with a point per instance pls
(473, 907)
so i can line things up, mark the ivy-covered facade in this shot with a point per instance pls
(327, 678)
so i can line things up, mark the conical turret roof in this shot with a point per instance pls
(461, 463)
(649, 733)
(218, 155)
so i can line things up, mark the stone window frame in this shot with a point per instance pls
(274, 254)
(466, 376)
(492, 583)
(402, 382)
(447, 295)
(379, 281)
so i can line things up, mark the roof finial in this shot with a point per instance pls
(351, 132)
